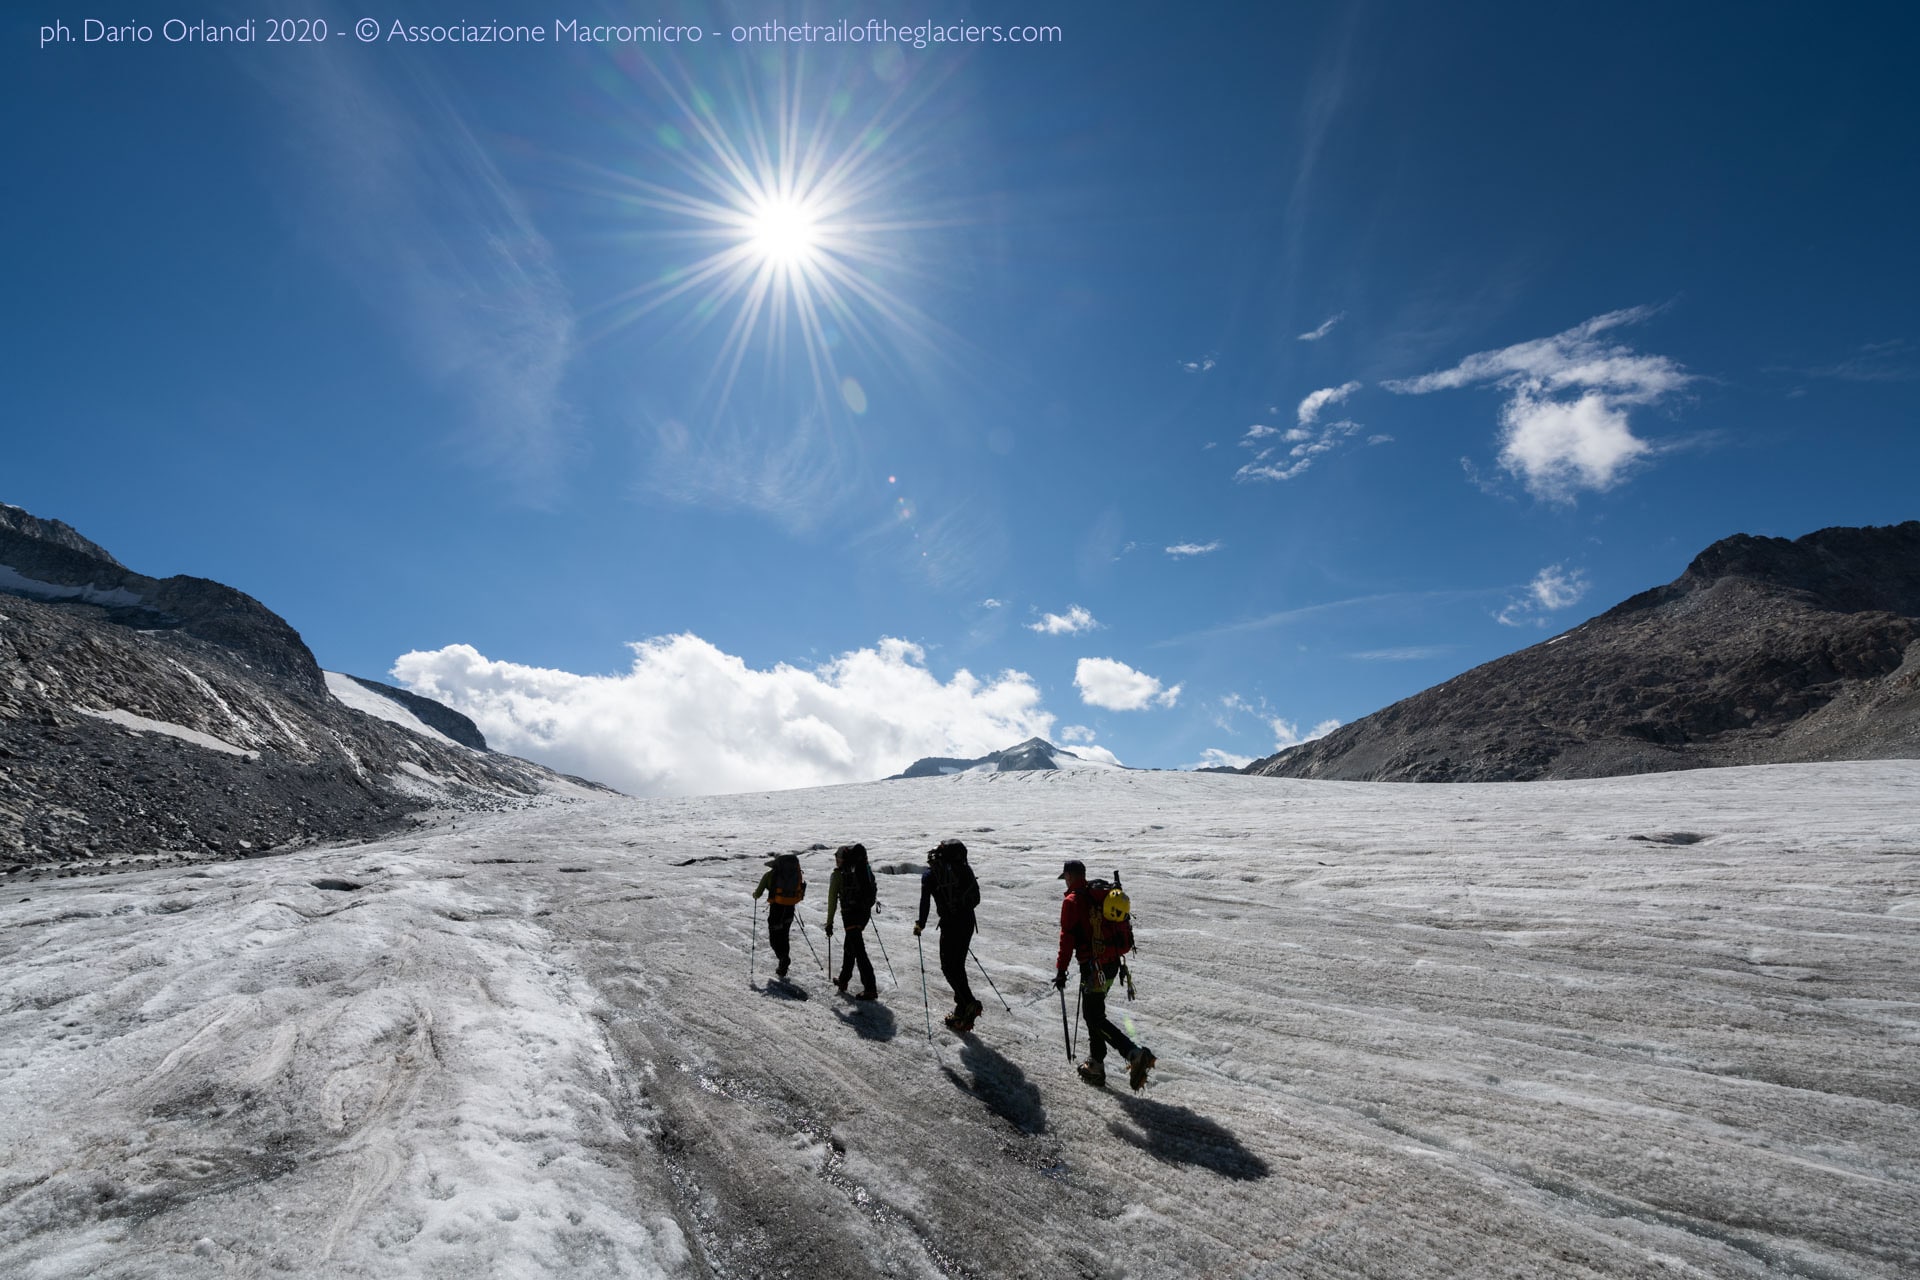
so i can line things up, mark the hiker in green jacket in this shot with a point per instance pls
(785, 887)
(852, 888)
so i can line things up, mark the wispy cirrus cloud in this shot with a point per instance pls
(1323, 328)
(1405, 653)
(1554, 588)
(1310, 407)
(1072, 622)
(414, 207)
(1296, 448)
(1108, 683)
(1397, 599)
(1895, 360)
(1287, 734)
(1184, 550)
(1203, 364)
(1565, 426)
(1307, 444)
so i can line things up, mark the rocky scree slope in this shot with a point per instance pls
(176, 719)
(1765, 651)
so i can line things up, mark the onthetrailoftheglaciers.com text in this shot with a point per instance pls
(874, 31)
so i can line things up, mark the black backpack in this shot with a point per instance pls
(789, 886)
(858, 888)
(954, 885)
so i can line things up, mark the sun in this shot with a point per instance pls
(796, 225)
(784, 232)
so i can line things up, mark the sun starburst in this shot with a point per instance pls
(796, 222)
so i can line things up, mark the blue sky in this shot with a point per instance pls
(1289, 359)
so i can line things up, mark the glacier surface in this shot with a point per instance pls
(1654, 1026)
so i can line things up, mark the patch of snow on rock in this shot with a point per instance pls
(362, 699)
(141, 724)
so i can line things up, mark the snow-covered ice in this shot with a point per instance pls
(1654, 1026)
(351, 692)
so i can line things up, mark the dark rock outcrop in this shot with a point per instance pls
(48, 560)
(1764, 650)
(147, 719)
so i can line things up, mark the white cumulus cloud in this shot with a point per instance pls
(1215, 758)
(1104, 682)
(1565, 426)
(1075, 733)
(1180, 550)
(1072, 622)
(687, 719)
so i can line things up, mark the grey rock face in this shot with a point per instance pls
(195, 724)
(1764, 651)
(48, 560)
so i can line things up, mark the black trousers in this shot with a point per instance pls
(955, 937)
(1093, 1003)
(853, 946)
(779, 922)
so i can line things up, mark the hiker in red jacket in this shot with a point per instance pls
(1099, 951)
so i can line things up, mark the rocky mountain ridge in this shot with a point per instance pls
(146, 719)
(1765, 650)
(1034, 753)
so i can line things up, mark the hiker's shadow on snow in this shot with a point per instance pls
(782, 990)
(870, 1020)
(1176, 1135)
(1001, 1085)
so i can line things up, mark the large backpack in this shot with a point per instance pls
(858, 888)
(1109, 919)
(954, 885)
(789, 886)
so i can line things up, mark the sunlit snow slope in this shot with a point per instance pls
(1654, 1026)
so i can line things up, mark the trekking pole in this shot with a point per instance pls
(1063, 1026)
(925, 1004)
(810, 946)
(1076, 1020)
(754, 943)
(989, 978)
(829, 946)
(883, 954)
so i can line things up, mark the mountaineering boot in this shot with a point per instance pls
(960, 1020)
(781, 972)
(974, 1012)
(1093, 1073)
(868, 994)
(1139, 1062)
(841, 986)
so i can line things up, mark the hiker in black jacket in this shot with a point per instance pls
(853, 890)
(949, 884)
